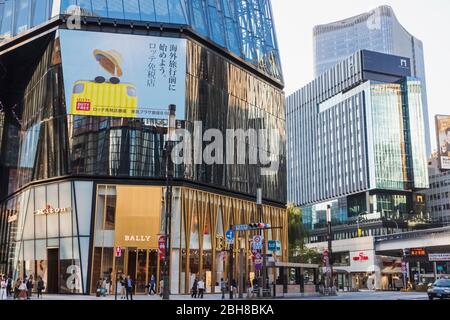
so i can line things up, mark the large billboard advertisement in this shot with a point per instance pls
(443, 136)
(121, 75)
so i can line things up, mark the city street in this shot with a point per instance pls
(375, 295)
(363, 295)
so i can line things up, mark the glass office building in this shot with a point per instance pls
(356, 143)
(378, 30)
(75, 187)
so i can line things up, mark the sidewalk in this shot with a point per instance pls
(209, 296)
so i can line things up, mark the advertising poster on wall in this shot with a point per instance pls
(127, 76)
(443, 138)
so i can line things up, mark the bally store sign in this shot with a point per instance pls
(138, 216)
(138, 238)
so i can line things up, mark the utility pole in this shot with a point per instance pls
(330, 252)
(169, 182)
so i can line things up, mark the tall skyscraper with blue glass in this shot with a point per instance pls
(356, 143)
(378, 30)
(85, 87)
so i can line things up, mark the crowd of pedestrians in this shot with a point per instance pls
(21, 288)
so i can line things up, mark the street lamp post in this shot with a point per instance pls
(330, 253)
(168, 214)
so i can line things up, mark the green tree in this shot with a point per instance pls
(297, 235)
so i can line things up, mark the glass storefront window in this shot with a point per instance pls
(40, 220)
(52, 203)
(141, 272)
(66, 226)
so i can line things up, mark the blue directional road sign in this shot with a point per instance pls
(229, 235)
(272, 244)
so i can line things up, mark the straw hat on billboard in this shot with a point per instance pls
(110, 60)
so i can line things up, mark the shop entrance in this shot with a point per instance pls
(52, 271)
(140, 265)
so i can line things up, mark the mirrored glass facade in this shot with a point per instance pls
(356, 143)
(42, 142)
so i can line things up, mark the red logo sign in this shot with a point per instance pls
(83, 106)
(118, 252)
(162, 247)
(361, 257)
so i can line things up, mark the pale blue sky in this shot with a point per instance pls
(427, 20)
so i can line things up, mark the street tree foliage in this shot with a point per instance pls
(297, 235)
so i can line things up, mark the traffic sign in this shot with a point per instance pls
(272, 245)
(257, 242)
(258, 261)
(241, 227)
(230, 236)
(118, 252)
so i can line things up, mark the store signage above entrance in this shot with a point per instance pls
(361, 257)
(137, 238)
(49, 211)
(439, 257)
(418, 252)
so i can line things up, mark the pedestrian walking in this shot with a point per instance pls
(161, 288)
(40, 287)
(3, 285)
(123, 286)
(152, 285)
(234, 286)
(194, 289)
(249, 288)
(30, 286)
(8, 287)
(16, 288)
(223, 287)
(129, 287)
(23, 290)
(99, 287)
(201, 288)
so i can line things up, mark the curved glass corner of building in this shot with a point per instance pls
(245, 28)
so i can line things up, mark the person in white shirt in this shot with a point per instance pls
(3, 285)
(23, 290)
(201, 288)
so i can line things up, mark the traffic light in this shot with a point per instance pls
(259, 226)
(360, 232)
